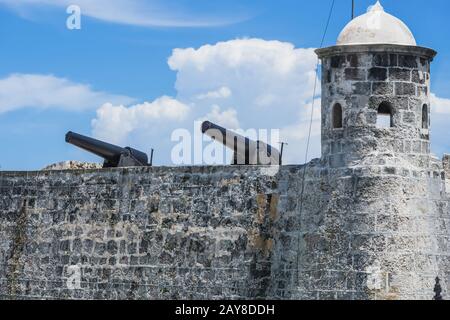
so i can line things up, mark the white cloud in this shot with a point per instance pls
(227, 118)
(440, 105)
(440, 118)
(116, 123)
(271, 84)
(47, 91)
(150, 13)
(223, 92)
(260, 84)
(296, 135)
(253, 69)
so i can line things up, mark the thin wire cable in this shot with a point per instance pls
(310, 131)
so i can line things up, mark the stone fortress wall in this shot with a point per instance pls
(151, 233)
(373, 221)
(365, 232)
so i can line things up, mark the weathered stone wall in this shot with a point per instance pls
(369, 231)
(152, 233)
(375, 232)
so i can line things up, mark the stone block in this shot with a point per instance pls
(382, 88)
(405, 89)
(381, 60)
(377, 74)
(399, 74)
(407, 61)
(354, 61)
(338, 61)
(361, 88)
(409, 118)
(355, 74)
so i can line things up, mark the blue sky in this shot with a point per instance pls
(121, 56)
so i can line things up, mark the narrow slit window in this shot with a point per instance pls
(425, 118)
(337, 116)
(384, 118)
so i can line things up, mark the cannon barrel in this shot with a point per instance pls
(230, 139)
(246, 151)
(102, 149)
(113, 155)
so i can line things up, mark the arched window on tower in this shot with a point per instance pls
(425, 119)
(337, 116)
(384, 118)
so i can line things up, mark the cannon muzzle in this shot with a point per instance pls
(246, 151)
(114, 156)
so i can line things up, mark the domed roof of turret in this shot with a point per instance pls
(376, 27)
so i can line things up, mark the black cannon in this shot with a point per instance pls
(246, 151)
(113, 156)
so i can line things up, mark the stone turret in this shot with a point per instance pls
(383, 213)
(375, 91)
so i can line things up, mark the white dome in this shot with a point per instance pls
(376, 27)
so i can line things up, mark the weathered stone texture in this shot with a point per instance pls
(360, 78)
(137, 233)
(226, 232)
(377, 232)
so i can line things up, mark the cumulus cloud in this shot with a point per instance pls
(116, 123)
(297, 134)
(440, 105)
(243, 83)
(153, 13)
(227, 118)
(223, 92)
(253, 70)
(440, 118)
(47, 91)
(271, 84)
